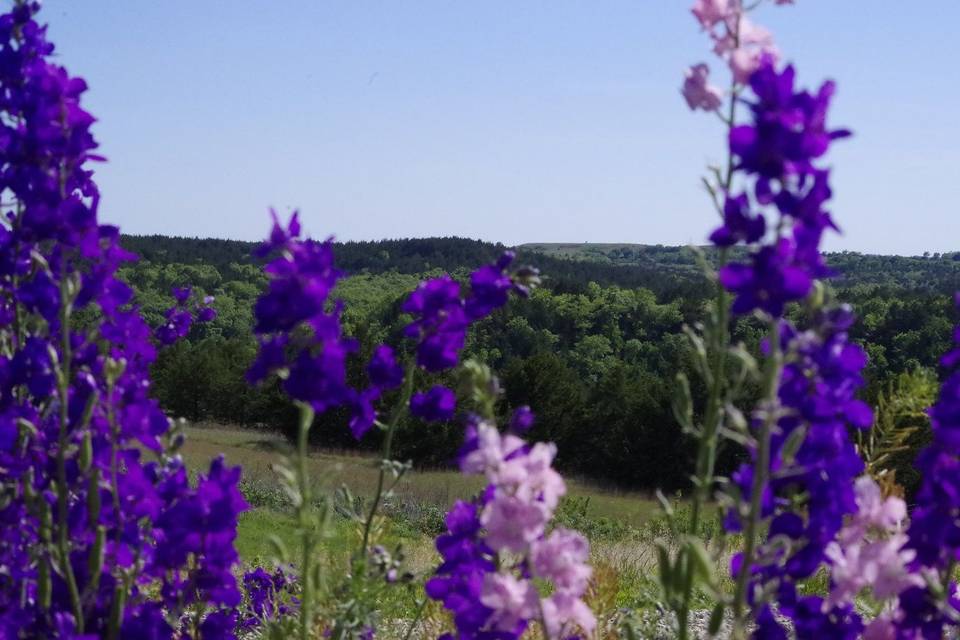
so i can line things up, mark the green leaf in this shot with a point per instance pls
(683, 402)
(701, 559)
(279, 548)
(716, 619)
(794, 442)
(666, 570)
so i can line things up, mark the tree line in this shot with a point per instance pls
(594, 351)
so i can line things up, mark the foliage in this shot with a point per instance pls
(900, 430)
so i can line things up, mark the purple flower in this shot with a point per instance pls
(789, 129)
(934, 533)
(181, 294)
(490, 287)
(458, 582)
(817, 393)
(768, 282)
(522, 419)
(179, 318)
(301, 280)
(697, 90)
(738, 224)
(175, 327)
(436, 405)
(299, 335)
(219, 625)
(384, 370)
(321, 380)
(364, 414)
(442, 317)
(201, 524)
(31, 366)
(153, 526)
(148, 622)
(497, 545)
(269, 596)
(777, 150)
(440, 324)
(271, 357)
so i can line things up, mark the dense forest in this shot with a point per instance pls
(594, 351)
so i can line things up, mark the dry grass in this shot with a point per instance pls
(256, 451)
(625, 568)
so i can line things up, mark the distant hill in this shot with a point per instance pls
(418, 255)
(669, 272)
(939, 272)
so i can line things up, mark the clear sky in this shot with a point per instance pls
(553, 121)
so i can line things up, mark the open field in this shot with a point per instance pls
(622, 526)
(256, 451)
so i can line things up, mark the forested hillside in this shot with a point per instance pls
(594, 351)
(929, 272)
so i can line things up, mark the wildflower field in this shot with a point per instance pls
(789, 520)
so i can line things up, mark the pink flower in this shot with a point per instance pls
(697, 92)
(513, 523)
(562, 558)
(869, 550)
(846, 571)
(873, 510)
(881, 565)
(709, 12)
(490, 452)
(512, 600)
(561, 611)
(743, 62)
(486, 455)
(532, 477)
(519, 501)
(754, 44)
(883, 627)
(892, 561)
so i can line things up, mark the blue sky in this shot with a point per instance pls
(514, 121)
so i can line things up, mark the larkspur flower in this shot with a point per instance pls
(817, 391)
(440, 325)
(870, 550)
(458, 581)
(299, 326)
(739, 224)
(522, 419)
(509, 521)
(778, 152)
(697, 90)
(442, 314)
(85, 394)
(742, 44)
(384, 370)
(435, 405)
(711, 12)
(269, 596)
(934, 533)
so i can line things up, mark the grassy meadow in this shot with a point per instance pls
(623, 527)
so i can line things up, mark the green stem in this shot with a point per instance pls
(707, 449)
(761, 470)
(398, 411)
(63, 544)
(306, 529)
(116, 619)
(17, 339)
(713, 414)
(416, 619)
